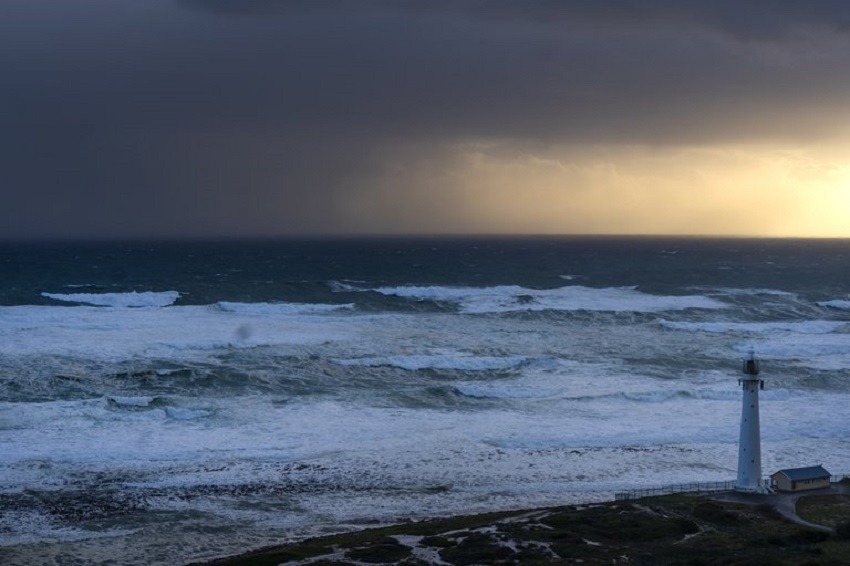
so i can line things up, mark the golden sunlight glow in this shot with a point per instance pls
(731, 190)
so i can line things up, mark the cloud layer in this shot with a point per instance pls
(262, 117)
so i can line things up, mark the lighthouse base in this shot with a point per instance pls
(761, 489)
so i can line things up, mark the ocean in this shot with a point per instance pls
(162, 403)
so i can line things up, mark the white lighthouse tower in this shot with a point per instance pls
(749, 446)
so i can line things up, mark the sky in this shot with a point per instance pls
(265, 118)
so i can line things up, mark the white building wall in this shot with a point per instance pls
(749, 445)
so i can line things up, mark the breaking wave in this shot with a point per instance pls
(806, 348)
(734, 291)
(456, 362)
(280, 308)
(132, 299)
(512, 298)
(841, 304)
(804, 327)
(134, 403)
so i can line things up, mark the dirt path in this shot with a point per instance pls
(785, 503)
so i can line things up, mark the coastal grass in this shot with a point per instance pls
(345, 543)
(827, 510)
(673, 529)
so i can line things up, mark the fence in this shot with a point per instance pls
(701, 487)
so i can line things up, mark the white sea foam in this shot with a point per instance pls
(109, 334)
(745, 291)
(485, 390)
(340, 459)
(337, 434)
(281, 308)
(667, 395)
(581, 409)
(343, 287)
(184, 414)
(131, 401)
(119, 300)
(836, 362)
(807, 348)
(508, 298)
(32, 528)
(459, 361)
(842, 304)
(804, 327)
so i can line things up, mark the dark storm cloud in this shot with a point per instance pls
(253, 116)
(753, 19)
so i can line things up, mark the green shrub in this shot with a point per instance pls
(686, 526)
(381, 551)
(438, 541)
(714, 513)
(809, 537)
(477, 548)
(842, 530)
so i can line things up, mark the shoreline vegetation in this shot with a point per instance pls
(684, 529)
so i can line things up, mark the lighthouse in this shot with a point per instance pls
(749, 445)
